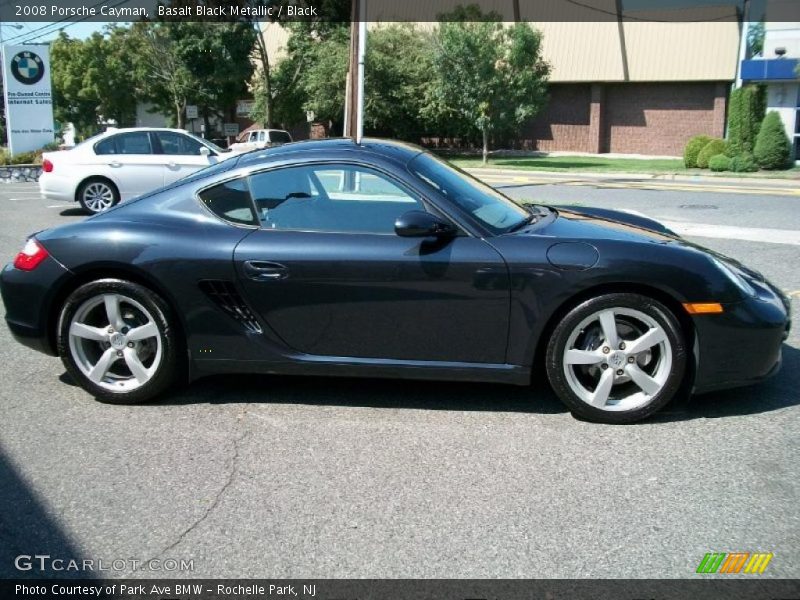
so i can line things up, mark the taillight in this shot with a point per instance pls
(47, 165)
(32, 254)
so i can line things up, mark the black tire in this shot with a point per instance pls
(84, 197)
(574, 323)
(165, 370)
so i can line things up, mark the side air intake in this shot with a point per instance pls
(224, 295)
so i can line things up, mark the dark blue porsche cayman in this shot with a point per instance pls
(382, 260)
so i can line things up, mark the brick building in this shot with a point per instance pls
(639, 84)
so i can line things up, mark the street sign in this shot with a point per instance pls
(244, 108)
(29, 104)
(191, 111)
(230, 128)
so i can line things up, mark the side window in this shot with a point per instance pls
(253, 136)
(261, 136)
(134, 143)
(230, 201)
(175, 143)
(107, 146)
(330, 198)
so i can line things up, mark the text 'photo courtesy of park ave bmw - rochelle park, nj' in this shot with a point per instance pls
(380, 300)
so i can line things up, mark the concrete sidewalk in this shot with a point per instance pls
(558, 176)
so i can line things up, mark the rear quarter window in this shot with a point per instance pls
(230, 201)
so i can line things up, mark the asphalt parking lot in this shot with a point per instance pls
(330, 478)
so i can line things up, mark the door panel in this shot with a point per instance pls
(378, 296)
(180, 155)
(127, 159)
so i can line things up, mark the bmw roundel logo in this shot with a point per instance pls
(27, 67)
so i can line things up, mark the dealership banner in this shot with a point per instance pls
(402, 589)
(28, 97)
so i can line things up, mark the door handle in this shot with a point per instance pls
(260, 270)
(172, 165)
(115, 164)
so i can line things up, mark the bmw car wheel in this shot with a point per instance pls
(97, 195)
(115, 340)
(617, 358)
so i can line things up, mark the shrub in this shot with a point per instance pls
(744, 163)
(745, 113)
(25, 158)
(692, 149)
(712, 148)
(772, 148)
(719, 162)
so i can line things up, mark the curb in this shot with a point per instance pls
(562, 175)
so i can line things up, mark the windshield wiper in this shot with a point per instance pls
(533, 215)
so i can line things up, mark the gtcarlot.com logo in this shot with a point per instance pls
(46, 563)
(752, 563)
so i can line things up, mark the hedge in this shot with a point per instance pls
(712, 148)
(719, 162)
(772, 148)
(744, 163)
(692, 149)
(745, 113)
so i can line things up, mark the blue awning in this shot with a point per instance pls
(774, 69)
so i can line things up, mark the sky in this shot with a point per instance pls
(47, 31)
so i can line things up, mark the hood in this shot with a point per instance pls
(592, 224)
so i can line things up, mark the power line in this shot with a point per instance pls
(53, 27)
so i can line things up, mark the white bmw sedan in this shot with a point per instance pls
(123, 163)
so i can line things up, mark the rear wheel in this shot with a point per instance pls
(97, 195)
(617, 358)
(115, 339)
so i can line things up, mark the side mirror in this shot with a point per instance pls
(418, 223)
(204, 151)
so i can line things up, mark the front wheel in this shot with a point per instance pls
(617, 358)
(116, 340)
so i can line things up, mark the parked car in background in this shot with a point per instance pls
(120, 164)
(261, 138)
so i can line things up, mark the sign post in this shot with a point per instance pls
(28, 97)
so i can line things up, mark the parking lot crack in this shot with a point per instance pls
(233, 467)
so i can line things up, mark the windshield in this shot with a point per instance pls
(493, 210)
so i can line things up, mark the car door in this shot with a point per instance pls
(181, 155)
(129, 161)
(328, 274)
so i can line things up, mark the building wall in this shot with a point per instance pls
(659, 118)
(627, 118)
(565, 124)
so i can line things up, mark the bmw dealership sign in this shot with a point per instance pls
(28, 97)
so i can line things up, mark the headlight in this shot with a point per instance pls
(734, 275)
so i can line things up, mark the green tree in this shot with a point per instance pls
(755, 38)
(398, 81)
(217, 57)
(772, 149)
(92, 80)
(492, 76)
(745, 113)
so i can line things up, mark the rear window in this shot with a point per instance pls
(279, 137)
(230, 201)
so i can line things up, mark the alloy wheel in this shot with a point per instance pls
(115, 342)
(617, 359)
(98, 196)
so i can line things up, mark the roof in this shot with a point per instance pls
(389, 149)
(688, 44)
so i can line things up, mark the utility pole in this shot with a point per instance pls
(351, 89)
(354, 100)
